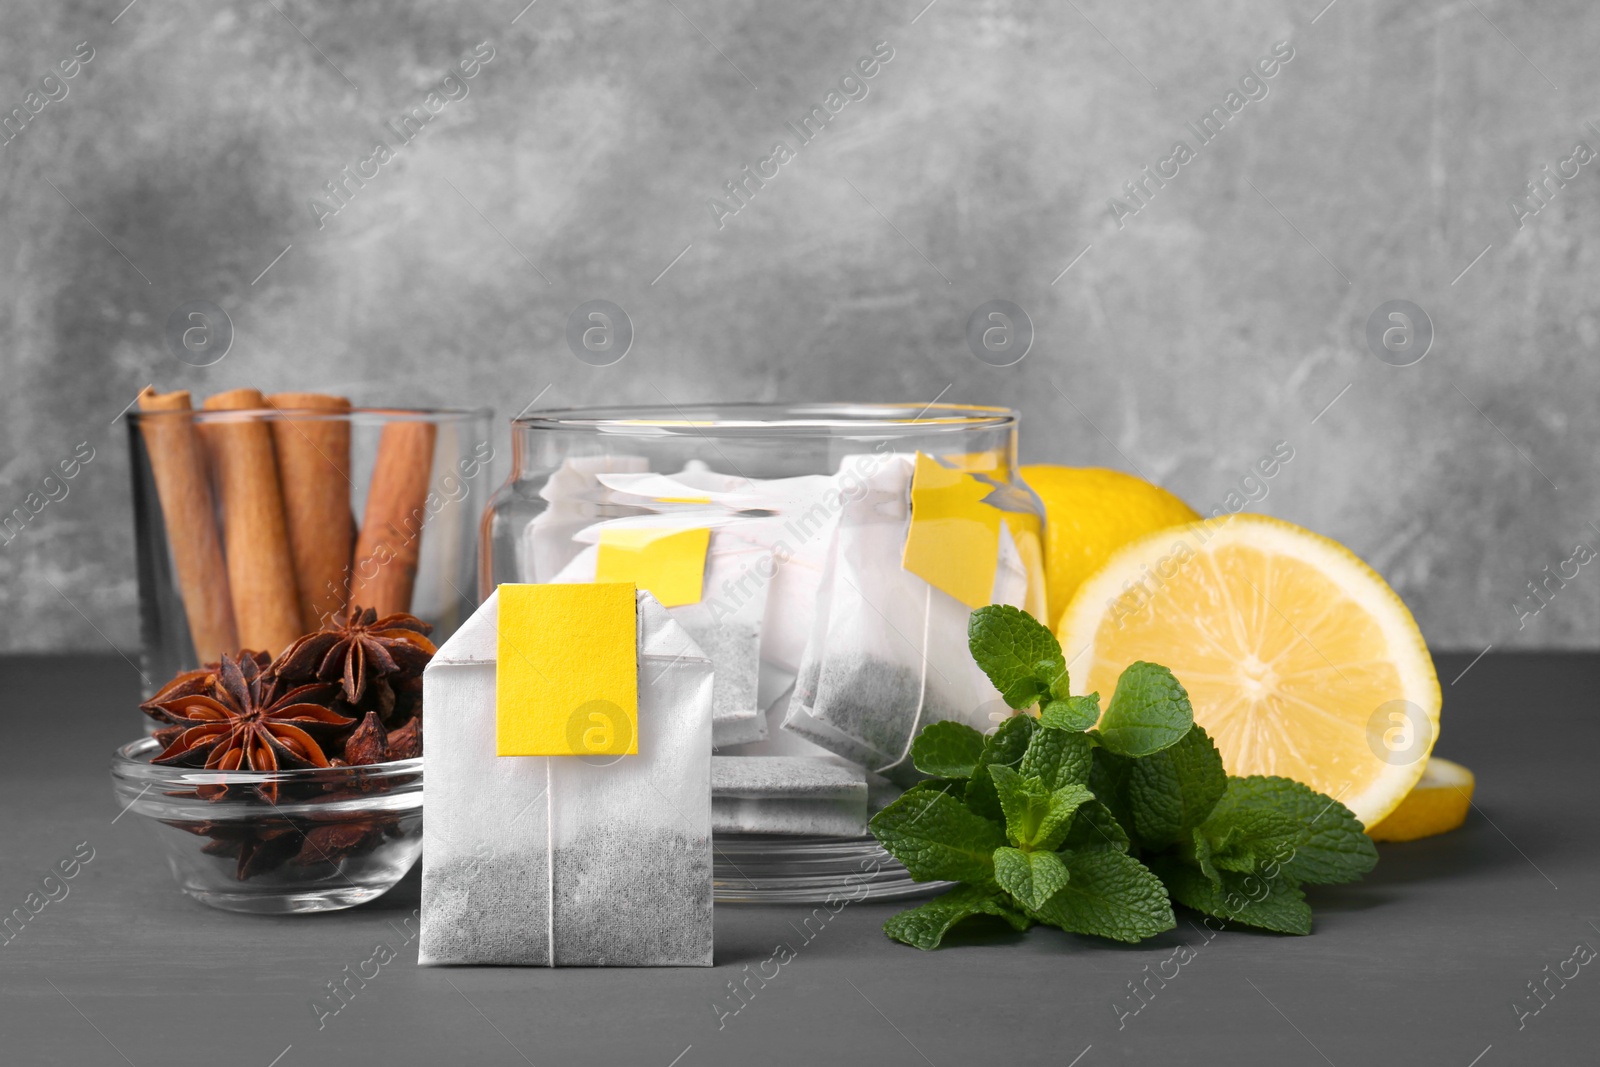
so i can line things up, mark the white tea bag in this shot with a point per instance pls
(576, 498)
(888, 652)
(860, 691)
(956, 688)
(568, 860)
(787, 795)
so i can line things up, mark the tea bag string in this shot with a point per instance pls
(922, 693)
(550, 860)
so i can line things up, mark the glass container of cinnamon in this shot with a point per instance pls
(258, 518)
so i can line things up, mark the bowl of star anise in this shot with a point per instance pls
(289, 784)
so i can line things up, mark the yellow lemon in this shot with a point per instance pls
(1437, 803)
(1090, 512)
(1300, 661)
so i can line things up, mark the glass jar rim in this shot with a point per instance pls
(359, 415)
(771, 419)
(131, 764)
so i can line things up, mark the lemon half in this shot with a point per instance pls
(1299, 659)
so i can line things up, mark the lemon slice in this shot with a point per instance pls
(1300, 661)
(1437, 803)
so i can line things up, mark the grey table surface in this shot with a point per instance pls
(1422, 963)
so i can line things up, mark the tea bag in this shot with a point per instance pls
(888, 651)
(568, 860)
(859, 691)
(577, 500)
(787, 795)
(790, 519)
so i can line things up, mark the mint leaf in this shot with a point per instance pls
(936, 837)
(1269, 903)
(1024, 802)
(1108, 780)
(1248, 839)
(1333, 848)
(1058, 758)
(1071, 713)
(1031, 877)
(1108, 894)
(924, 927)
(1019, 654)
(956, 787)
(1095, 828)
(1149, 711)
(1036, 817)
(1005, 748)
(1202, 857)
(947, 750)
(1172, 791)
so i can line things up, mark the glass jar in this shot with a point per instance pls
(826, 558)
(255, 525)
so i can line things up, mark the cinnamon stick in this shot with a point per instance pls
(314, 467)
(385, 567)
(178, 462)
(266, 605)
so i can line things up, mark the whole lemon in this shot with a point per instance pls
(1090, 512)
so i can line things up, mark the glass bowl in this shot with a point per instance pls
(329, 838)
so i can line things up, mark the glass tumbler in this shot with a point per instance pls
(803, 546)
(258, 524)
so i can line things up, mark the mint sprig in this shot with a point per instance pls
(1096, 822)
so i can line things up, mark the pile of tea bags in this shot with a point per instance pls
(828, 653)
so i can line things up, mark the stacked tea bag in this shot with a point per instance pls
(787, 795)
(828, 652)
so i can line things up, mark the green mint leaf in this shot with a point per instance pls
(1060, 689)
(1032, 877)
(1019, 654)
(1108, 780)
(947, 750)
(1036, 816)
(1149, 711)
(1172, 791)
(936, 837)
(1333, 847)
(1004, 748)
(1248, 839)
(1057, 822)
(925, 926)
(1058, 758)
(1202, 857)
(1269, 903)
(1108, 894)
(1094, 828)
(1024, 802)
(1071, 713)
(956, 787)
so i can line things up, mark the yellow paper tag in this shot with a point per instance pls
(954, 540)
(668, 564)
(567, 671)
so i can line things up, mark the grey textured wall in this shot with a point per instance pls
(1223, 315)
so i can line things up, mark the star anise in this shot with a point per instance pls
(360, 651)
(248, 723)
(189, 683)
